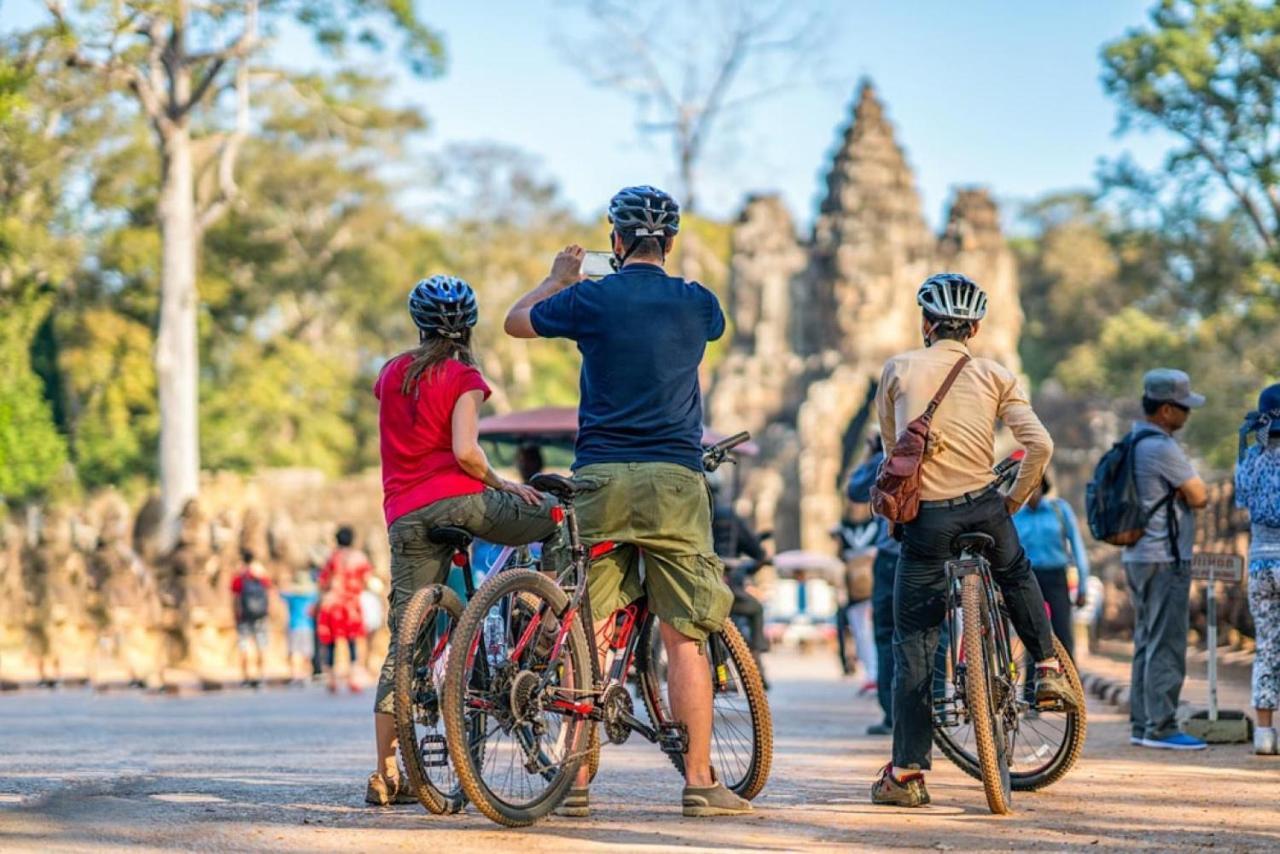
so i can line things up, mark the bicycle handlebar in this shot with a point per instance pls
(1006, 471)
(713, 456)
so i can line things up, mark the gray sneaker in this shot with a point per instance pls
(889, 791)
(1053, 686)
(703, 801)
(577, 804)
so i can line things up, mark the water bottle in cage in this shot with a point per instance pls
(495, 641)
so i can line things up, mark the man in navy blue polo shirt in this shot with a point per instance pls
(642, 335)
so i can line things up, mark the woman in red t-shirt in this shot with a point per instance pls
(435, 473)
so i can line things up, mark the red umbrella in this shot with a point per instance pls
(559, 425)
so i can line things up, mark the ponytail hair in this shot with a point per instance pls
(431, 353)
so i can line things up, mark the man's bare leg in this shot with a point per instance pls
(689, 687)
(604, 636)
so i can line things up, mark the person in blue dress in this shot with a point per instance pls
(1050, 535)
(1258, 490)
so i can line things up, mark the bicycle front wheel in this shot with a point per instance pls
(981, 687)
(741, 725)
(422, 646)
(518, 692)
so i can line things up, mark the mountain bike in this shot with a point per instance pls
(526, 684)
(425, 629)
(988, 722)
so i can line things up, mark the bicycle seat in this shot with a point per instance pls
(446, 536)
(561, 487)
(974, 542)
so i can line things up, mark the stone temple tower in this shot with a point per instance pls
(815, 320)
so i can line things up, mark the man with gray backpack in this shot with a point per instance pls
(1142, 497)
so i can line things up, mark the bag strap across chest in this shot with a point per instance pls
(927, 417)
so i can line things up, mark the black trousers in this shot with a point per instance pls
(885, 570)
(1053, 585)
(920, 595)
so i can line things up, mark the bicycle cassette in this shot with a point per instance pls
(616, 709)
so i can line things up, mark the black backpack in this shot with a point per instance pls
(253, 599)
(1116, 514)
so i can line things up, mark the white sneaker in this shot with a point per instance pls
(1264, 741)
(1135, 740)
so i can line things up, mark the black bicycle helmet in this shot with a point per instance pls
(444, 306)
(644, 211)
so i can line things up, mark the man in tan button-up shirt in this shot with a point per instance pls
(961, 450)
(958, 495)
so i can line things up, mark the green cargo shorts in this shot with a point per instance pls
(664, 511)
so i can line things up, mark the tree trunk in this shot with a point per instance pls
(177, 366)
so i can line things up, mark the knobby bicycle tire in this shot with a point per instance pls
(425, 605)
(750, 784)
(455, 697)
(1063, 760)
(978, 695)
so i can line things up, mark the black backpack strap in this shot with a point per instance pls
(1171, 513)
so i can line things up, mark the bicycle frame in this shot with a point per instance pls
(1006, 669)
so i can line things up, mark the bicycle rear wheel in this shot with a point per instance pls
(524, 683)
(741, 727)
(422, 646)
(981, 685)
(1046, 744)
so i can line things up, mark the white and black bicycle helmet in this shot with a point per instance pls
(952, 296)
(444, 306)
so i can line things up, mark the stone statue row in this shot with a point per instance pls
(111, 604)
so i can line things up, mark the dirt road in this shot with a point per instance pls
(284, 771)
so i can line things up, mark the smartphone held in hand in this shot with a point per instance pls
(596, 265)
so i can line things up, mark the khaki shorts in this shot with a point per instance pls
(664, 511)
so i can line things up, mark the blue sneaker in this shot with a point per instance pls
(1177, 741)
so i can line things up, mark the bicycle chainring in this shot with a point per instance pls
(615, 708)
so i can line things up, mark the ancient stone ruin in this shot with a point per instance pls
(816, 318)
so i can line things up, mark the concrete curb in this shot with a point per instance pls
(1113, 692)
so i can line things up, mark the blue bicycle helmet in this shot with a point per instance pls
(444, 306)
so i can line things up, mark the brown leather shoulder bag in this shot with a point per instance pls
(896, 493)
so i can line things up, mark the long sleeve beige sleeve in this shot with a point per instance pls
(884, 410)
(1027, 428)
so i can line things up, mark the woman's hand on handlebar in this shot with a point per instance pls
(523, 491)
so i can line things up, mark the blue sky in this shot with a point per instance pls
(984, 92)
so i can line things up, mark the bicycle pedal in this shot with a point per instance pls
(434, 751)
(674, 738)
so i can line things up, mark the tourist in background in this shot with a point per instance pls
(1049, 532)
(1258, 490)
(343, 578)
(300, 598)
(1158, 566)
(883, 572)
(250, 590)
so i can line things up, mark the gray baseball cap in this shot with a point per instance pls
(1167, 384)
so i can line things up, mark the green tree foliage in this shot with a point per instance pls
(1208, 72)
(31, 451)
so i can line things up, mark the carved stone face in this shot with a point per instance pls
(194, 530)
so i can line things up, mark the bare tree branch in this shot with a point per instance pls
(683, 80)
(228, 189)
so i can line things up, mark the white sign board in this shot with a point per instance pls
(1219, 567)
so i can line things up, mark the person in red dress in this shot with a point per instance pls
(435, 473)
(339, 618)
